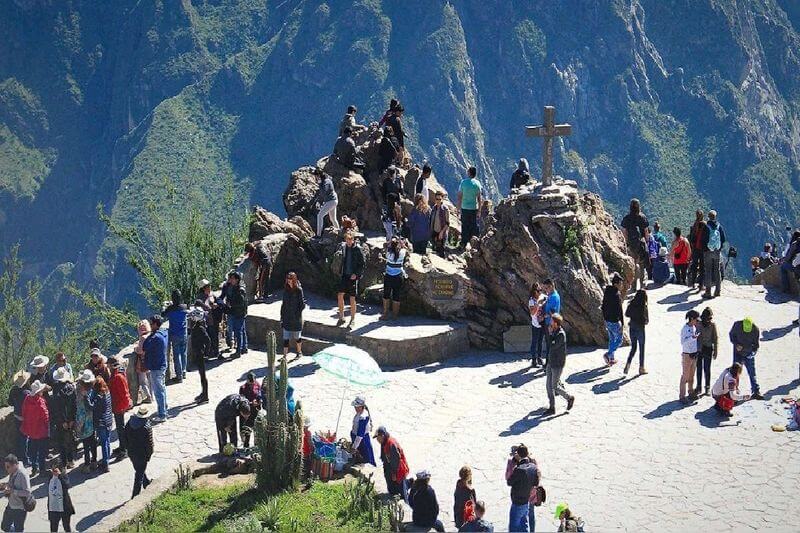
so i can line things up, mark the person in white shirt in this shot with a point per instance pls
(689, 335)
(726, 390)
(59, 503)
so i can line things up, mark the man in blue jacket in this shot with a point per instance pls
(155, 359)
(176, 315)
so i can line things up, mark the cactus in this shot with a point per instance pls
(278, 436)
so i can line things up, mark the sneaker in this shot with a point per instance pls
(534, 363)
(122, 455)
(706, 390)
(551, 411)
(756, 396)
(707, 295)
(245, 350)
(103, 468)
(201, 398)
(351, 324)
(625, 370)
(642, 371)
(340, 323)
(606, 359)
(570, 402)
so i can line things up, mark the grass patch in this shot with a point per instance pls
(241, 507)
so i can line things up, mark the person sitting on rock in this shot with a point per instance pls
(261, 258)
(327, 200)
(387, 150)
(440, 223)
(755, 267)
(349, 121)
(393, 104)
(421, 186)
(351, 271)
(766, 259)
(521, 176)
(424, 506)
(652, 251)
(344, 150)
(661, 273)
(394, 121)
(228, 410)
(394, 277)
(419, 222)
(659, 236)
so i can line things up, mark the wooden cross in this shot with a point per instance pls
(548, 131)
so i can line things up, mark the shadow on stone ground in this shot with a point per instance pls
(587, 376)
(88, 521)
(530, 421)
(710, 418)
(782, 390)
(666, 409)
(776, 333)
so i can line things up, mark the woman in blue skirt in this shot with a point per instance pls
(360, 434)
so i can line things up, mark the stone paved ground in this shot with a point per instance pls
(628, 457)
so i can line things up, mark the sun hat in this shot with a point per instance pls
(87, 376)
(381, 431)
(560, 508)
(203, 283)
(37, 387)
(40, 361)
(143, 411)
(423, 474)
(62, 375)
(21, 377)
(359, 401)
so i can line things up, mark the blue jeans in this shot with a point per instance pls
(22, 445)
(748, 360)
(157, 378)
(637, 341)
(104, 436)
(537, 336)
(614, 337)
(37, 451)
(178, 354)
(237, 324)
(518, 517)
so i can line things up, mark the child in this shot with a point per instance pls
(709, 342)
(308, 447)
(726, 390)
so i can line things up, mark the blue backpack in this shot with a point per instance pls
(714, 238)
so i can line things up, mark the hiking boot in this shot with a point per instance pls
(756, 396)
(570, 402)
(707, 295)
(549, 412)
(340, 322)
(625, 370)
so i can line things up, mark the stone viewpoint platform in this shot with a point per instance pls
(403, 342)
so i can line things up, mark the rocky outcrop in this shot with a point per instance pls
(771, 278)
(557, 232)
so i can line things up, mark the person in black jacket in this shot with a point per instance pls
(639, 318)
(524, 477)
(292, 306)
(228, 410)
(463, 493)
(201, 347)
(387, 149)
(236, 302)
(556, 360)
(352, 269)
(62, 406)
(59, 502)
(424, 507)
(521, 176)
(394, 121)
(612, 314)
(140, 446)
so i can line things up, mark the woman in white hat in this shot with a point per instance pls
(39, 370)
(140, 445)
(362, 427)
(15, 398)
(36, 426)
(84, 421)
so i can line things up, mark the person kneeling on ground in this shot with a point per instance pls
(422, 499)
(555, 365)
(478, 523)
(228, 410)
(726, 390)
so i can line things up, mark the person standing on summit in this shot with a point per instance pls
(713, 241)
(634, 225)
(469, 199)
(176, 315)
(613, 317)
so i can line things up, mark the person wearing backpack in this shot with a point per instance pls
(713, 241)
(18, 492)
(523, 478)
(697, 267)
(680, 254)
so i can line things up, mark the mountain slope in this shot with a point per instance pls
(683, 103)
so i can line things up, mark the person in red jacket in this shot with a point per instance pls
(36, 426)
(395, 466)
(120, 402)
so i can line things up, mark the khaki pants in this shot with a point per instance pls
(689, 365)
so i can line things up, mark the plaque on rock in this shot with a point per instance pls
(444, 288)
